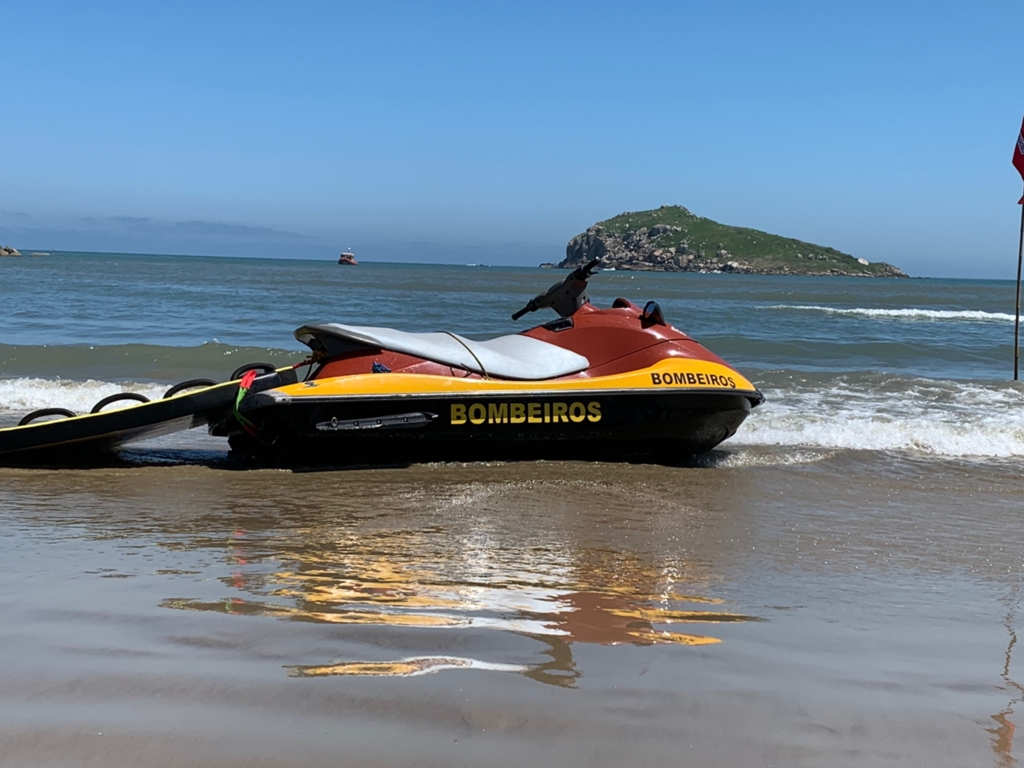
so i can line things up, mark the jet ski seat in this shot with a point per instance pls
(505, 357)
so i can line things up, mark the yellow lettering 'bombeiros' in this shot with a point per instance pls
(518, 413)
(534, 410)
(477, 413)
(525, 413)
(497, 413)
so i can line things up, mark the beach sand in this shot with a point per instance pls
(783, 608)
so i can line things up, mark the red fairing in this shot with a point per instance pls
(616, 341)
(613, 340)
(362, 360)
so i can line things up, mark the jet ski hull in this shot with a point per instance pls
(382, 418)
(499, 427)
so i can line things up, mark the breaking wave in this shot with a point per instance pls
(975, 316)
(29, 394)
(875, 412)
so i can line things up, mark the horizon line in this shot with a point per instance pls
(440, 264)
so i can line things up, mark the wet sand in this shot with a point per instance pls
(807, 609)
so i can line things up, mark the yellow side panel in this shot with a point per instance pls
(670, 374)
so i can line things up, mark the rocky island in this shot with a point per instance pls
(5, 251)
(671, 239)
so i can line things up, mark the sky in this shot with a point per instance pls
(493, 132)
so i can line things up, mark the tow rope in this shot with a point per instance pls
(483, 370)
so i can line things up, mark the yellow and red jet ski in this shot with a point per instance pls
(611, 384)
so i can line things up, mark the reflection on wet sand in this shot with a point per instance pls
(573, 597)
(287, 619)
(1002, 734)
(535, 551)
(402, 668)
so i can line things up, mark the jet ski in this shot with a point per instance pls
(618, 383)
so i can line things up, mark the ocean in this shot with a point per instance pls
(921, 366)
(838, 584)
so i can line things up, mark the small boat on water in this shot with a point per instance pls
(348, 258)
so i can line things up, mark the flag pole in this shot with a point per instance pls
(1016, 320)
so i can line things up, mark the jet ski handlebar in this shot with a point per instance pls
(564, 297)
(584, 272)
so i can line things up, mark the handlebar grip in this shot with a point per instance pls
(583, 273)
(521, 312)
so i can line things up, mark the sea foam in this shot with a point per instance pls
(29, 394)
(940, 418)
(970, 315)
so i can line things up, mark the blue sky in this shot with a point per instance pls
(493, 132)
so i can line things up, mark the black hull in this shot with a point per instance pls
(662, 427)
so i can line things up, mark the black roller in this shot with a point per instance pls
(115, 398)
(45, 412)
(263, 367)
(190, 384)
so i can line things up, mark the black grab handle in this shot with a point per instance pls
(45, 412)
(261, 367)
(190, 384)
(119, 396)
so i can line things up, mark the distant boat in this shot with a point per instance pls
(348, 258)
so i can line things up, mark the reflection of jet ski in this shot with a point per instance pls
(594, 383)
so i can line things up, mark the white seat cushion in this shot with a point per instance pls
(504, 357)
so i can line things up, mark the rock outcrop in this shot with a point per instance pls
(5, 251)
(671, 239)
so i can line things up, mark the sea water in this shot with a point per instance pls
(917, 365)
(837, 585)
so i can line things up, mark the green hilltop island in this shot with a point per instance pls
(671, 239)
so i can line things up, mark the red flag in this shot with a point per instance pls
(1018, 157)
